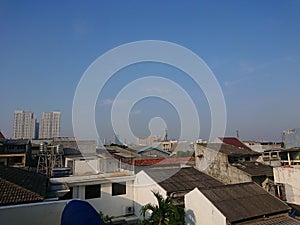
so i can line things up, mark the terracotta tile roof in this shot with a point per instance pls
(234, 142)
(242, 202)
(19, 186)
(162, 161)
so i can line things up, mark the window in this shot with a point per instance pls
(118, 188)
(93, 191)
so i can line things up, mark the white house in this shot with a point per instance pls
(245, 203)
(173, 182)
(288, 177)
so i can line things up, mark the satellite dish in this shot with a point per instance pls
(78, 212)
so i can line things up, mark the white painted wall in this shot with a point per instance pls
(86, 167)
(46, 213)
(143, 187)
(113, 205)
(290, 178)
(199, 210)
(108, 204)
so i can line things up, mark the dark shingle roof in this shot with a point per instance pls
(240, 202)
(183, 180)
(277, 220)
(1, 135)
(231, 150)
(19, 186)
(255, 168)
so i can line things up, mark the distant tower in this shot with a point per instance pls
(24, 125)
(166, 135)
(49, 125)
(237, 134)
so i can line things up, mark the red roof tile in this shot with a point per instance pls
(163, 161)
(234, 142)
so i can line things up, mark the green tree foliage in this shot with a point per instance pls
(164, 213)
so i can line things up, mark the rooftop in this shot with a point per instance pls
(255, 168)
(153, 147)
(14, 141)
(163, 161)
(182, 180)
(275, 220)
(19, 186)
(1, 135)
(234, 142)
(230, 150)
(241, 202)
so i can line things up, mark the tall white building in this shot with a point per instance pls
(49, 125)
(24, 125)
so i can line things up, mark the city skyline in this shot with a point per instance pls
(252, 47)
(27, 126)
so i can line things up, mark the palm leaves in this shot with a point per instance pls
(164, 213)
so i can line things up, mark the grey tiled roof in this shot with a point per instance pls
(277, 220)
(255, 168)
(19, 186)
(241, 202)
(182, 179)
(231, 150)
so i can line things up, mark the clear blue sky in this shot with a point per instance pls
(252, 47)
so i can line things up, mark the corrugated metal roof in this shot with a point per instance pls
(240, 202)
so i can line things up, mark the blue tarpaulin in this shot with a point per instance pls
(79, 212)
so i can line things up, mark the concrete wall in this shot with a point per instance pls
(113, 205)
(199, 210)
(49, 213)
(143, 187)
(290, 178)
(85, 167)
(46, 213)
(108, 204)
(216, 165)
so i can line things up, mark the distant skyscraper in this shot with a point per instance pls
(24, 125)
(49, 125)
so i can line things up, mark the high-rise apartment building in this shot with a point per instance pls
(24, 125)
(49, 125)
